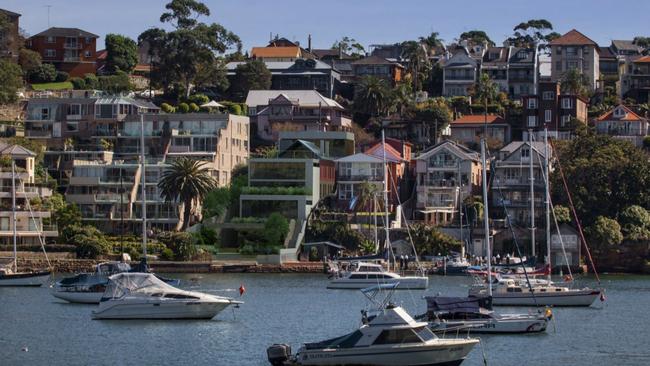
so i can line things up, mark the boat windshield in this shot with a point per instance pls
(397, 336)
(425, 333)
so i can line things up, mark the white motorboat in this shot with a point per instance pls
(472, 314)
(144, 296)
(515, 293)
(363, 274)
(88, 288)
(388, 337)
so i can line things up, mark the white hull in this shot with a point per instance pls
(116, 309)
(564, 298)
(515, 325)
(404, 283)
(24, 279)
(441, 352)
(78, 296)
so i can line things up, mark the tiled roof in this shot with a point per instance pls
(626, 45)
(629, 115)
(391, 154)
(65, 32)
(275, 52)
(644, 59)
(478, 118)
(304, 98)
(606, 52)
(573, 37)
(16, 151)
(375, 60)
(452, 146)
(333, 52)
(101, 55)
(9, 13)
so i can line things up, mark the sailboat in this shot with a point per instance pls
(10, 276)
(364, 274)
(520, 292)
(88, 288)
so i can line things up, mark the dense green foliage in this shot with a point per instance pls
(29, 60)
(604, 233)
(251, 75)
(429, 240)
(635, 223)
(180, 243)
(117, 83)
(533, 33)
(121, 53)
(10, 81)
(45, 73)
(349, 46)
(476, 37)
(89, 242)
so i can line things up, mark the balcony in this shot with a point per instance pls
(468, 79)
(72, 46)
(23, 231)
(360, 177)
(71, 59)
(37, 133)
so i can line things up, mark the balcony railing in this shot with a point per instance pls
(72, 46)
(71, 59)
(360, 177)
(37, 133)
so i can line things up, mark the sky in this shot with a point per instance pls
(367, 21)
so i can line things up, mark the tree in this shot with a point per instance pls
(485, 92)
(605, 233)
(89, 241)
(29, 60)
(186, 181)
(476, 37)
(562, 214)
(418, 65)
(435, 114)
(432, 41)
(121, 53)
(575, 82)
(276, 228)
(635, 222)
(180, 55)
(643, 42)
(10, 81)
(349, 46)
(372, 96)
(535, 33)
(181, 244)
(45, 73)
(216, 202)
(429, 240)
(252, 75)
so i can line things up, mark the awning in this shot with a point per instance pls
(212, 103)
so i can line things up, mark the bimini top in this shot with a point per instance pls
(470, 304)
(123, 284)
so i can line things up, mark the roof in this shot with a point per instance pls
(626, 45)
(642, 60)
(275, 52)
(375, 60)
(606, 52)
(572, 37)
(15, 151)
(502, 55)
(478, 119)
(304, 98)
(538, 146)
(454, 147)
(65, 32)
(329, 52)
(515, 52)
(101, 55)
(359, 158)
(392, 155)
(9, 13)
(306, 144)
(629, 115)
(126, 100)
(280, 66)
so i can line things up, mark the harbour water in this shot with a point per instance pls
(37, 329)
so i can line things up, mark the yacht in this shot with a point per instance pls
(513, 292)
(34, 279)
(364, 274)
(456, 265)
(389, 337)
(144, 296)
(88, 288)
(473, 314)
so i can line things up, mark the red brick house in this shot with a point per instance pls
(69, 49)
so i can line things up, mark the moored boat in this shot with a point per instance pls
(363, 274)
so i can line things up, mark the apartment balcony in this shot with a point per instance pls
(5, 211)
(38, 134)
(72, 46)
(27, 192)
(443, 164)
(71, 59)
(466, 79)
(516, 182)
(359, 178)
(24, 231)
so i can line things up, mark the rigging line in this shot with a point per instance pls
(557, 226)
(575, 215)
(514, 238)
(39, 231)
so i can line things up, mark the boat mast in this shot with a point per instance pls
(13, 211)
(532, 192)
(460, 210)
(143, 180)
(485, 218)
(386, 222)
(547, 202)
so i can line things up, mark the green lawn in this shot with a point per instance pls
(53, 86)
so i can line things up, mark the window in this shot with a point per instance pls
(525, 152)
(358, 277)
(548, 115)
(558, 51)
(88, 40)
(45, 114)
(532, 103)
(87, 54)
(397, 336)
(619, 112)
(74, 110)
(571, 51)
(346, 169)
(50, 53)
(532, 121)
(567, 103)
(565, 120)
(50, 39)
(548, 95)
(570, 65)
(345, 192)
(558, 65)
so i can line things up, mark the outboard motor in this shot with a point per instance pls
(278, 354)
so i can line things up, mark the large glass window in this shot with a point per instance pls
(397, 336)
(277, 170)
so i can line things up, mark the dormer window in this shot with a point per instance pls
(619, 113)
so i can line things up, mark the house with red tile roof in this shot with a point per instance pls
(574, 50)
(635, 83)
(469, 129)
(623, 123)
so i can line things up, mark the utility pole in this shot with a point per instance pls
(48, 15)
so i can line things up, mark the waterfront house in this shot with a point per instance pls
(635, 82)
(495, 63)
(459, 72)
(10, 39)
(523, 70)
(623, 123)
(282, 54)
(574, 50)
(379, 67)
(446, 174)
(69, 49)
(330, 144)
(468, 129)
(272, 111)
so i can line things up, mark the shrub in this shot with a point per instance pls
(646, 142)
(181, 243)
(183, 108)
(167, 254)
(235, 109)
(276, 228)
(78, 83)
(198, 99)
(194, 108)
(115, 83)
(91, 81)
(167, 108)
(61, 76)
(46, 73)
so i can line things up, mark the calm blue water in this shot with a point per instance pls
(297, 308)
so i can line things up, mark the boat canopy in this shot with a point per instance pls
(123, 284)
(469, 304)
(109, 268)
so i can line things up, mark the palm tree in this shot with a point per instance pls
(373, 96)
(433, 40)
(186, 181)
(419, 66)
(485, 92)
(574, 82)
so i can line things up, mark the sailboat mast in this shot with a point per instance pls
(532, 192)
(386, 222)
(486, 223)
(13, 211)
(548, 203)
(143, 180)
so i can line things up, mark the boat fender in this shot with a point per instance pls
(548, 313)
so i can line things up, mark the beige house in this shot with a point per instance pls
(574, 50)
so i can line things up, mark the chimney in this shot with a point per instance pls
(309, 42)
(340, 51)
